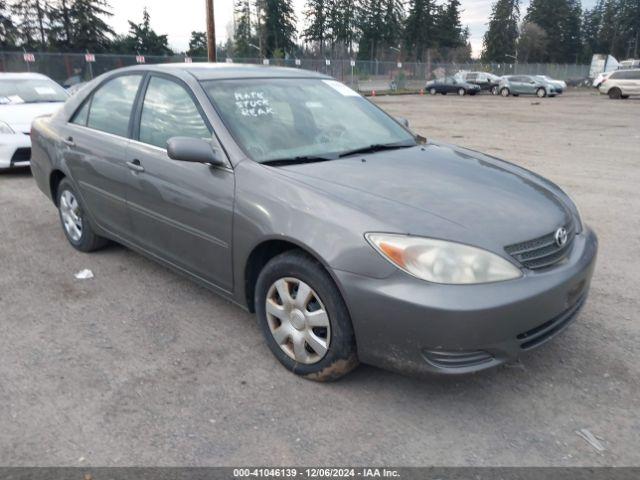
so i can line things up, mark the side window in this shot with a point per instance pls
(169, 111)
(472, 77)
(634, 75)
(80, 117)
(112, 104)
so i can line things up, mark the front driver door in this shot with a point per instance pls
(180, 211)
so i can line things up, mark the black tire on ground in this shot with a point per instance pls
(462, 92)
(615, 93)
(432, 91)
(505, 92)
(341, 356)
(541, 93)
(89, 241)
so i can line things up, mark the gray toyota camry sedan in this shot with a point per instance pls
(350, 237)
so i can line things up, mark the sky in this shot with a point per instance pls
(178, 19)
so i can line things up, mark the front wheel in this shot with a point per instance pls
(615, 94)
(75, 223)
(304, 319)
(541, 93)
(432, 91)
(505, 92)
(462, 92)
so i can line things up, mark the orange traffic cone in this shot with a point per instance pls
(422, 91)
(373, 93)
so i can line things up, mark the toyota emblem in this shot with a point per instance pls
(561, 236)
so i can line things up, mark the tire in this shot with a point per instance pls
(615, 93)
(462, 92)
(541, 92)
(432, 91)
(494, 91)
(505, 92)
(288, 272)
(75, 223)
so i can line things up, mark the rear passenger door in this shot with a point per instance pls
(180, 211)
(96, 141)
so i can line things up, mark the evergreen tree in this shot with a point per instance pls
(278, 22)
(419, 29)
(371, 27)
(343, 23)
(60, 25)
(197, 44)
(560, 20)
(501, 37)
(8, 30)
(392, 22)
(243, 35)
(318, 17)
(591, 22)
(142, 39)
(89, 31)
(448, 28)
(32, 24)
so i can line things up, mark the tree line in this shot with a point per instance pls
(561, 31)
(375, 29)
(558, 31)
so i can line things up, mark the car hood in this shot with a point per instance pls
(443, 191)
(20, 116)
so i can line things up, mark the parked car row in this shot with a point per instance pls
(472, 83)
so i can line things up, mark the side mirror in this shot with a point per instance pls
(197, 150)
(403, 121)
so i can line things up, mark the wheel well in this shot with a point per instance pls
(258, 258)
(54, 180)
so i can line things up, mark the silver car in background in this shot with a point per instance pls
(517, 85)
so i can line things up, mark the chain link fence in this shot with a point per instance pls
(365, 76)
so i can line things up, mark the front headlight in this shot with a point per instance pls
(439, 261)
(5, 128)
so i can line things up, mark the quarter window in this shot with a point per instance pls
(112, 104)
(80, 118)
(169, 111)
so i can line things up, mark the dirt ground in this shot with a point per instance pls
(138, 366)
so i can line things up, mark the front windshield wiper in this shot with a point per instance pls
(298, 159)
(376, 147)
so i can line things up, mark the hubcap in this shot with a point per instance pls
(298, 320)
(71, 217)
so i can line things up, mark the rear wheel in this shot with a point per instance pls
(541, 92)
(75, 224)
(462, 92)
(433, 91)
(304, 319)
(615, 94)
(505, 92)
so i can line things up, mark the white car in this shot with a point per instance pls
(23, 97)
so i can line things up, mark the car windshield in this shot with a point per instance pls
(292, 119)
(31, 91)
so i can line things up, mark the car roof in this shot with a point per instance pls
(221, 71)
(23, 76)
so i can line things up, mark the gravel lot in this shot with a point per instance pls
(138, 366)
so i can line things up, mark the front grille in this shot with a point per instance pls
(456, 359)
(543, 251)
(21, 155)
(538, 335)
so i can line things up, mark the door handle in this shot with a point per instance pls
(135, 165)
(69, 142)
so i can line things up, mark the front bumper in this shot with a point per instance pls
(15, 150)
(406, 324)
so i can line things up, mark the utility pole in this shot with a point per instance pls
(211, 32)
